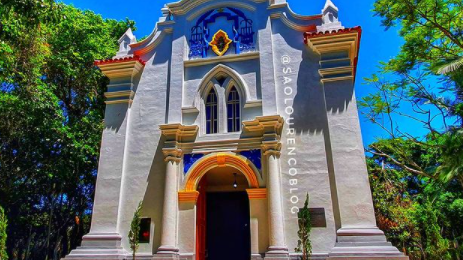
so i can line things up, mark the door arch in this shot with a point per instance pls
(201, 167)
(194, 189)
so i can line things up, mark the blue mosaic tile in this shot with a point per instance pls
(189, 160)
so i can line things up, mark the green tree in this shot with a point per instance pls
(3, 235)
(410, 86)
(304, 244)
(134, 233)
(420, 215)
(51, 113)
(417, 180)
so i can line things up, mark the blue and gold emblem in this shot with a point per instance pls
(220, 43)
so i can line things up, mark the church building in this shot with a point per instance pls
(220, 123)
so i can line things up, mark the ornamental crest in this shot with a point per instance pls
(235, 33)
(220, 43)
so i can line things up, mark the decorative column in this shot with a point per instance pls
(277, 245)
(270, 127)
(174, 135)
(173, 158)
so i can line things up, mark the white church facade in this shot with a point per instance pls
(219, 123)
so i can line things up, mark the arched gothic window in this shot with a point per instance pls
(211, 113)
(233, 111)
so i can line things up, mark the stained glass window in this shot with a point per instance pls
(211, 113)
(233, 111)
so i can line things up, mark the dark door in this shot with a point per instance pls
(201, 221)
(228, 231)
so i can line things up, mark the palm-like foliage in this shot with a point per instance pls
(451, 167)
(451, 66)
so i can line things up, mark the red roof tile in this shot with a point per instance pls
(309, 35)
(117, 60)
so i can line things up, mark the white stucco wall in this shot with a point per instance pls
(282, 79)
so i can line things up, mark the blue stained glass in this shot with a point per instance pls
(255, 156)
(230, 125)
(230, 110)
(208, 112)
(233, 111)
(211, 113)
(189, 160)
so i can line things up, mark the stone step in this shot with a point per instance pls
(363, 244)
(361, 239)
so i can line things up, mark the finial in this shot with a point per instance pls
(328, 5)
(330, 19)
(277, 2)
(124, 43)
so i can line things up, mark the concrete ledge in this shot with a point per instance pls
(369, 258)
(364, 243)
(166, 256)
(99, 246)
(314, 256)
(86, 254)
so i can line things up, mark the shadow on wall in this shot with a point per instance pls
(339, 95)
(115, 115)
(314, 100)
(309, 108)
(153, 199)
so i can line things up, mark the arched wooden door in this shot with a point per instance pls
(201, 221)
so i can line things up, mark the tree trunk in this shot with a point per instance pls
(50, 218)
(28, 245)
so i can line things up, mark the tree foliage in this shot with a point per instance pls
(410, 88)
(3, 235)
(417, 178)
(51, 112)
(421, 216)
(304, 244)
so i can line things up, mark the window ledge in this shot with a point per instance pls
(219, 59)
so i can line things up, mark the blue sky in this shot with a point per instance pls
(376, 45)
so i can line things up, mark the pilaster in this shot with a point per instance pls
(104, 237)
(259, 222)
(267, 68)
(358, 237)
(177, 72)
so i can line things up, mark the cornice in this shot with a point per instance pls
(326, 73)
(253, 103)
(222, 59)
(154, 43)
(257, 194)
(172, 155)
(347, 40)
(327, 80)
(269, 127)
(293, 25)
(242, 144)
(121, 69)
(184, 6)
(188, 196)
(257, 134)
(178, 132)
(218, 5)
(119, 97)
